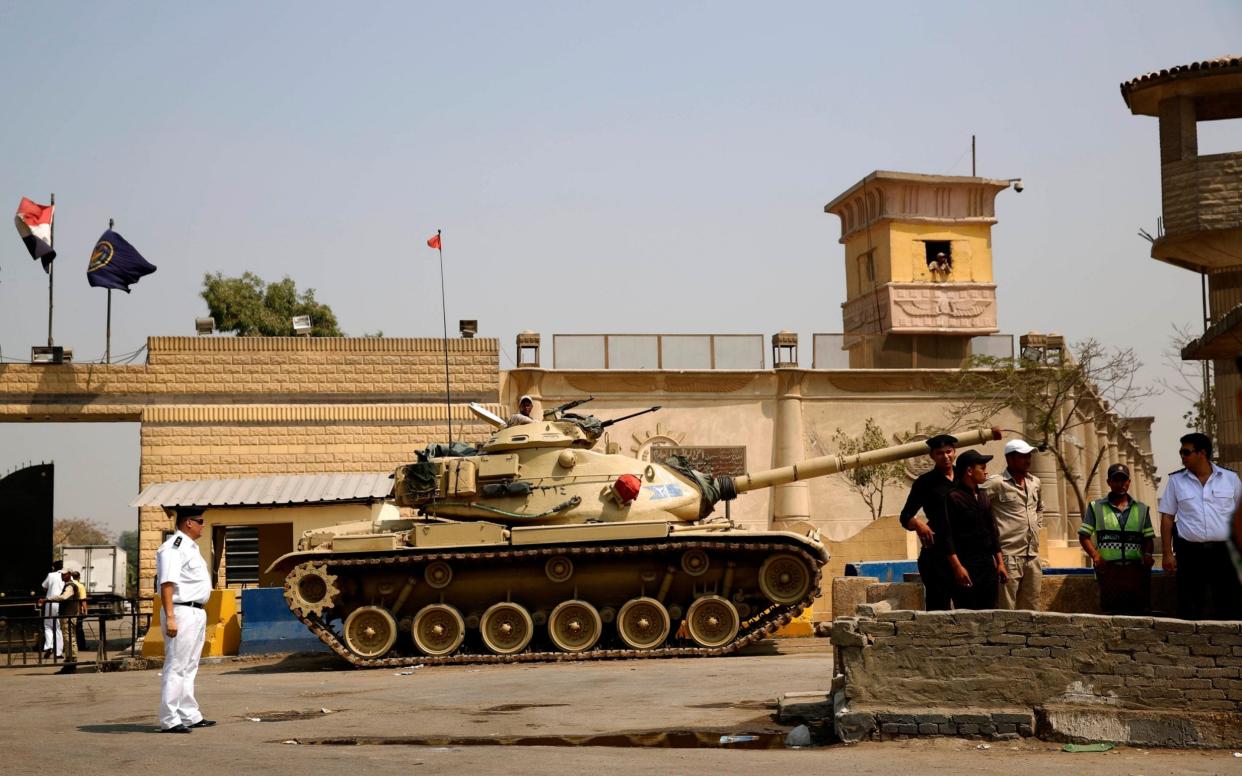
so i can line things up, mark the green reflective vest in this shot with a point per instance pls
(1119, 541)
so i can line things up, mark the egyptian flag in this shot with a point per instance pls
(34, 224)
(115, 263)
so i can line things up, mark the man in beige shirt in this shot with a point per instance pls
(1018, 509)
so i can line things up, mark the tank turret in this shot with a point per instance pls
(533, 546)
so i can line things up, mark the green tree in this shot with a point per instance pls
(869, 482)
(253, 308)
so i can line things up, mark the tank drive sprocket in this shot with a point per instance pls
(311, 589)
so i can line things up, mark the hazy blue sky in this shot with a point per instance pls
(664, 164)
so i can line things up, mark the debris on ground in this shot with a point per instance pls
(737, 739)
(1103, 746)
(798, 737)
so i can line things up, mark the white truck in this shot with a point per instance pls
(103, 572)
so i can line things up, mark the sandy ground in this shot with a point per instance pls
(106, 723)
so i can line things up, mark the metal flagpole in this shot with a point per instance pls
(108, 329)
(448, 391)
(51, 267)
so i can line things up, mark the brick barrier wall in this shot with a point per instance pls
(1009, 662)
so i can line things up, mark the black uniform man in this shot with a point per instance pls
(927, 494)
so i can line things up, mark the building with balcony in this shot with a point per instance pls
(1201, 202)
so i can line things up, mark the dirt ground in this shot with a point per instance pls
(448, 719)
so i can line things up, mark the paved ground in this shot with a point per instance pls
(104, 723)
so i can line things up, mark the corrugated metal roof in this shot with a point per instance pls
(266, 491)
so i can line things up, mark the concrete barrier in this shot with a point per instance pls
(223, 627)
(269, 627)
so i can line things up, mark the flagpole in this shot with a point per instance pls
(50, 268)
(448, 391)
(108, 328)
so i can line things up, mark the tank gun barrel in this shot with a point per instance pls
(608, 423)
(832, 464)
(556, 412)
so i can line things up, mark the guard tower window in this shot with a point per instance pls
(939, 255)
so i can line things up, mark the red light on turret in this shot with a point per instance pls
(626, 488)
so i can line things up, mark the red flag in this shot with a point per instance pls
(34, 225)
(434, 242)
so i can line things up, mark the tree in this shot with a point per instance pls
(1055, 392)
(76, 530)
(869, 481)
(1193, 383)
(253, 308)
(128, 541)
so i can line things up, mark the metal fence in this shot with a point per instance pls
(102, 637)
(657, 351)
(881, 351)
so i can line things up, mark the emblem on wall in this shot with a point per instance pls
(714, 460)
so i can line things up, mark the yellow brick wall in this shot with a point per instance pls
(202, 370)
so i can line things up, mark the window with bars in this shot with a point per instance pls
(241, 555)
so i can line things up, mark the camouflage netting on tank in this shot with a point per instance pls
(705, 484)
(592, 426)
(453, 450)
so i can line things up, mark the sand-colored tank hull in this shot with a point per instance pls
(671, 593)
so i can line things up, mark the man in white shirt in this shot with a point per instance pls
(53, 585)
(1195, 514)
(184, 585)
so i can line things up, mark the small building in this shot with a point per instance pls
(251, 521)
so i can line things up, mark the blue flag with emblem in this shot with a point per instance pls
(116, 264)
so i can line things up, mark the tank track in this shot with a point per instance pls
(757, 627)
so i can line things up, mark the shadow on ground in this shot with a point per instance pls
(295, 663)
(123, 727)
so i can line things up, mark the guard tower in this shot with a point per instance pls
(918, 267)
(1202, 206)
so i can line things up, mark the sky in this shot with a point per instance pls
(662, 167)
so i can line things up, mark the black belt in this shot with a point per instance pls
(195, 604)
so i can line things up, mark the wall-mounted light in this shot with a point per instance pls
(468, 329)
(302, 325)
(50, 354)
(204, 326)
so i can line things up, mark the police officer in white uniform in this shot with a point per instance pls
(184, 586)
(53, 585)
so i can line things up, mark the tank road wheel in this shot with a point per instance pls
(643, 623)
(712, 621)
(310, 589)
(559, 568)
(695, 562)
(574, 626)
(438, 629)
(784, 579)
(506, 628)
(438, 574)
(370, 631)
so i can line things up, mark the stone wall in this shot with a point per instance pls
(1202, 193)
(1040, 663)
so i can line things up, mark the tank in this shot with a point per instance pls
(534, 546)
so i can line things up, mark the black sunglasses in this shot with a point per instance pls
(199, 520)
(1184, 452)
